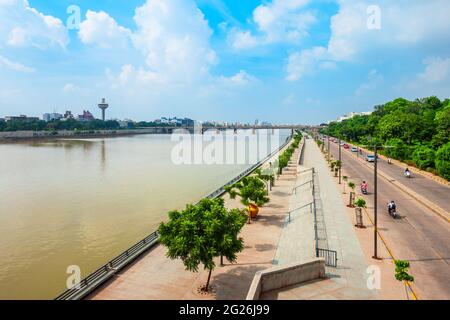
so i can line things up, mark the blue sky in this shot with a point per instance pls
(283, 61)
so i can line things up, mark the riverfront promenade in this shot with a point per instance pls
(335, 232)
(154, 276)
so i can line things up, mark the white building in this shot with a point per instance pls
(52, 116)
(350, 115)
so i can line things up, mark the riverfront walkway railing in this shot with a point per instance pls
(107, 271)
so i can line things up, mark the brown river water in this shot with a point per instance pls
(82, 202)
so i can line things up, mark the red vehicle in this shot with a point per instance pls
(346, 146)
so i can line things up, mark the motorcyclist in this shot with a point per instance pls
(407, 173)
(389, 161)
(364, 187)
(392, 207)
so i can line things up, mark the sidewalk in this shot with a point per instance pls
(338, 233)
(297, 240)
(154, 276)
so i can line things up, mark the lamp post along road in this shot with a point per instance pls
(375, 208)
(340, 161)
(328, 148)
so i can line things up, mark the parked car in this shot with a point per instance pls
(354, 149)
(346, 146)
(370, 158)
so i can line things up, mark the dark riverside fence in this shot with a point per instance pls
(104, 273)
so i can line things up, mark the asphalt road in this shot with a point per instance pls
(420, 236)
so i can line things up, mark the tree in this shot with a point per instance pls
(423, 157)
(442, 161)
(201, 233)
(401, 271)
(252, 191)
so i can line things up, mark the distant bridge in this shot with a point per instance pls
(170, 129)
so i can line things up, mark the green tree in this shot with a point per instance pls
(423, 157)
(252, 191)
(201, 233)
(442, 161)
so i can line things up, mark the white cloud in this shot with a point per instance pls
(405, 24)
(174, 37)
(304, 62)
(374, 80)
(436, 70)
(24, 26)
(101, 29)
(6, 63)
(242, 78)
(276, 21)
(242, 39)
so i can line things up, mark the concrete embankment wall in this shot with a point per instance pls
(285, 276)
(20, 135)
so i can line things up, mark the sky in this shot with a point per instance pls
(282, 61)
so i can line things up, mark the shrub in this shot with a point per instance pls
(360, 203)
(423, 157)
(442, 161)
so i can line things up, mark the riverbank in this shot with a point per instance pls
(27, 136)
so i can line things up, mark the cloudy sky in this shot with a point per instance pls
(284, 61)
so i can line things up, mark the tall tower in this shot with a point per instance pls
(103, 105)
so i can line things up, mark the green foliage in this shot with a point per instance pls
(360, 203)
(423, 157)
(202, 232)
(411, 130)
(442, 161)
(401, 271)
(351, 185)
(251, 190)
(70, 124)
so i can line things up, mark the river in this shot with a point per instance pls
(82, 202)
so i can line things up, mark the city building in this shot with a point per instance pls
(20, 118)
(350, 115)
(176, 121)
(68, 115)
(52, 116)
(126, 123)
(86, 116)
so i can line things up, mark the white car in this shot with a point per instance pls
(370, 158)
(354, 149)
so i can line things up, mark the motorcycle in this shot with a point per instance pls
(392, 209)
(407, 174)
(364, 190)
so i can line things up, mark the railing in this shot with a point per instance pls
(104, 273)
(330, 256)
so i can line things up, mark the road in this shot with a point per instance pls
(434, 191)
(420, 236)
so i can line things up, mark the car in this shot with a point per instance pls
(346, 146)
(354, 149)
(370, 158)
(342, 144)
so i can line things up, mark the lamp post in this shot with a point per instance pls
(375, 207)
(340, 161)
(328, 148)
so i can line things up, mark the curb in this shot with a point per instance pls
(414, 295)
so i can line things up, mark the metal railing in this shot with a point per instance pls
(330, 256)
(105, 272)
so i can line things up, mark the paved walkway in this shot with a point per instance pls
(153, 276)
(297, 240)
(335, 230)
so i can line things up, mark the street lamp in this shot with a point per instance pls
(328, 148)
(340, 161)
